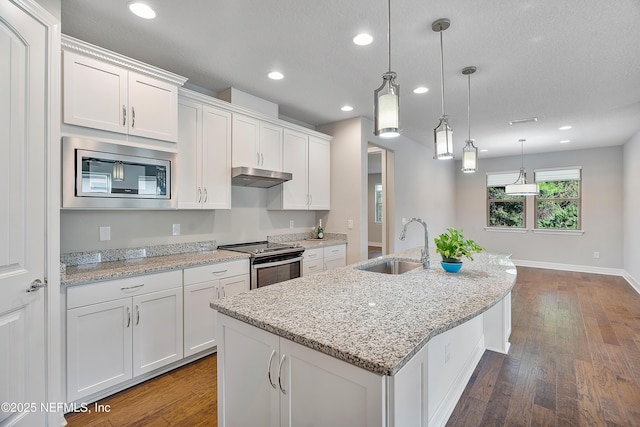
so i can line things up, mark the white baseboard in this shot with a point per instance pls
(635, 284)
(632, 281)
(375, 244)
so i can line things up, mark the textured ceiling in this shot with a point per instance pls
(574, 62)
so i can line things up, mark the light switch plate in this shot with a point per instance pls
(350, 224)
(105, 233)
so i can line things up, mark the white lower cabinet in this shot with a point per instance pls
(265, 380)
(322, 259)
(201, 286)
(120, 329)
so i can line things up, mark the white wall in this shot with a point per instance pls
(631, 244)
(248, 220)
(423, 187)
(602, 207)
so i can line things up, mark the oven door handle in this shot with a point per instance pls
(276, 263)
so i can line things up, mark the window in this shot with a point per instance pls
(378, 199)
(503, 210)
(559, 204)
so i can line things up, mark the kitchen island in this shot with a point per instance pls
(353, 347)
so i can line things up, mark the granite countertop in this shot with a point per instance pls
(86, 273)
(308, 242)
(319, 243)
(372, 320)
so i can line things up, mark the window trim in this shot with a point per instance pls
(377, 220)
(566, 231)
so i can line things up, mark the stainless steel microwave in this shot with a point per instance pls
(101, 175)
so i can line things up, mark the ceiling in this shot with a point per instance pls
(569, 62)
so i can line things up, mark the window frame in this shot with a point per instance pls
(508, 176)
(378, 203)
(569, 199)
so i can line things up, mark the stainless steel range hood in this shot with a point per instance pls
(250, 177)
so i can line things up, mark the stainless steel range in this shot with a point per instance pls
(270, 262)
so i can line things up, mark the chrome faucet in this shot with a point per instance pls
(424, 253)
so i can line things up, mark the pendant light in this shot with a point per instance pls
(118, 171)
(470, 151)
(442, 134)
(386, 99)
(520, 187)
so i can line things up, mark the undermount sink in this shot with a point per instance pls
(391, 266)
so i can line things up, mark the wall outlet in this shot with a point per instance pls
(350, 224)
(105, 233)
(291, 223)
(175, 230)
(596, 255)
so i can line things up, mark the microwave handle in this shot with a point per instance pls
(276, 263)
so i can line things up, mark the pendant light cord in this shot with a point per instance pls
(389, 32)
(442, 71)
(469, 105)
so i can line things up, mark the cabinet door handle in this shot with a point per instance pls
(280, 374)
(199, 194)
(206, 195)
(310, 199)
(124, 115)
(261, 159)
(258, 157)
(128, 317)
(133, 117)
(223, 293)
(273, 353)
(137, 314)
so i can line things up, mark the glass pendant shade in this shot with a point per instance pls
(521, 188)
(118, 171)
(443, 136)
(387, 107)
(469, 157)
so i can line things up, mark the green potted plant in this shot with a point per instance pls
(452, 246)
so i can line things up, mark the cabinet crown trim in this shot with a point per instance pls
(72, 44)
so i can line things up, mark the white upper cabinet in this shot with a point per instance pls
(256, 143)
(204, 150)
(106, 91)
(308, 159)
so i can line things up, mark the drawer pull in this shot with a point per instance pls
(219, 272)
(128, 288)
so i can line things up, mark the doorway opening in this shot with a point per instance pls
(379, 200)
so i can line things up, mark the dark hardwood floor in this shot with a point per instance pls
(574, 361)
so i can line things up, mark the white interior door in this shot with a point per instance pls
(23, 137)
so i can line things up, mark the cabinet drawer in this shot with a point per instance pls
(335, 251)
(312, 254)
(215, 271)
(312, 267)
(93, 293)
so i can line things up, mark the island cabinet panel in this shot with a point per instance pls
(324, 391)
(264, 380)
(497, 326)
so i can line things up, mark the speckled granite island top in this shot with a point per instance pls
(372, 320)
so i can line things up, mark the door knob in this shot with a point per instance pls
(36, 285)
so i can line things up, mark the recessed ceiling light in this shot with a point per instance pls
(347, 108)
(363, 39)
(421, 89)
(275, 75)
(527, 120)
(484, 150)
(564, 128)
(142, 10)
(564, 141)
